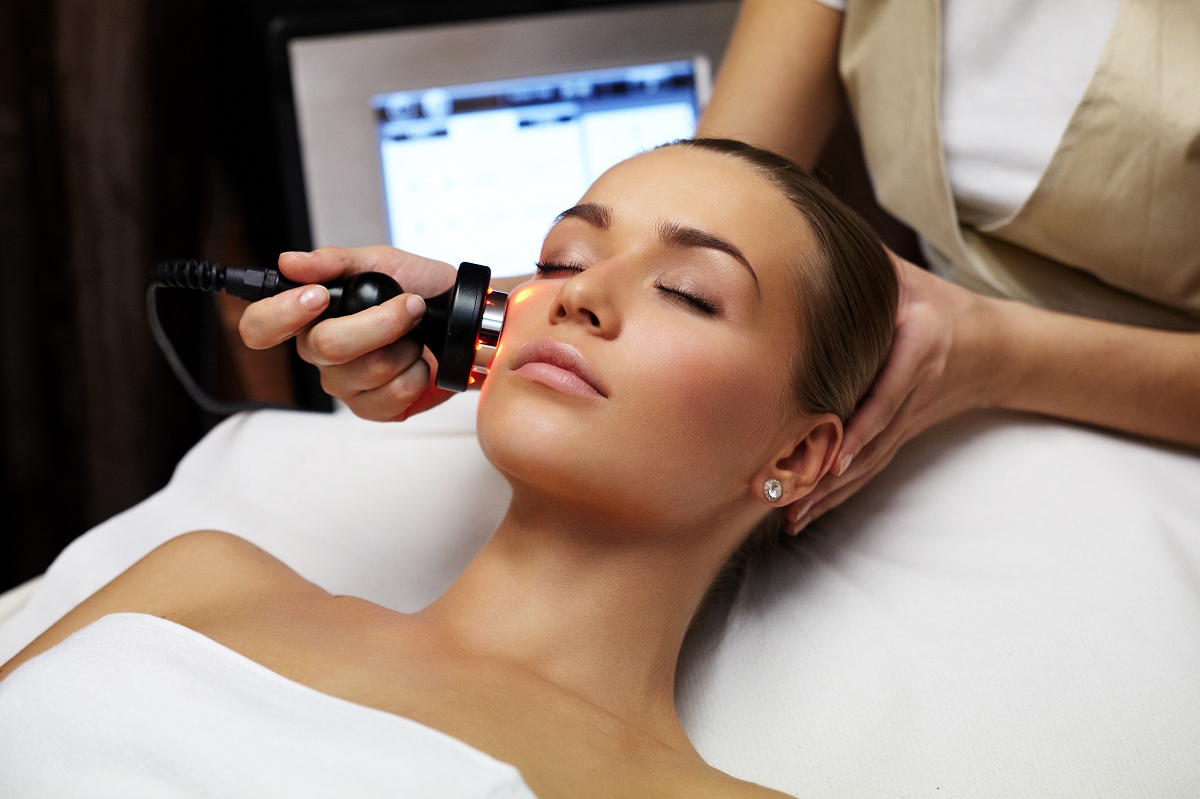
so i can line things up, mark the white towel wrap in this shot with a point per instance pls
(135, 706)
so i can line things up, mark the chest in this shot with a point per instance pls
(552, 737)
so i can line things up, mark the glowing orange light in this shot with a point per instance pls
(521, 295)
(478, 346)
(471, 380)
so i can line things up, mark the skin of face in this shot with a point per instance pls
(697, 407)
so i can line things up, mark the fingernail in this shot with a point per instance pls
(844, 464)
(415, 306)
(297, 254)
(314, 297)
(804, 509)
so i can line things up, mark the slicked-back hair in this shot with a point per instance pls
(847, 292)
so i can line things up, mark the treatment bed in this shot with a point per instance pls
(1011, 609)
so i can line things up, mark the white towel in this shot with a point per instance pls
(136, 706)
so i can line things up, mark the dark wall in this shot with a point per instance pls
(94, 180)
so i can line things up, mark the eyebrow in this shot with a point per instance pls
(672, 233)
(594, 214)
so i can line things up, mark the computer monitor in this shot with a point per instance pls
(478, 171)
(463, 140)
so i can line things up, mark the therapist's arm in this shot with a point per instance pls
(778, 86)
(1134, 379)
(956, 350)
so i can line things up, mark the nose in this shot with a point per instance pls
(588, 298)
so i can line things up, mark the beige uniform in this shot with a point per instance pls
(1112, 230)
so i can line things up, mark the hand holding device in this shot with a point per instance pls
(368, 361)
(461, 326)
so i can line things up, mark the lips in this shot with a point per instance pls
(559, 365)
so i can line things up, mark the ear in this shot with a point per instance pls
(807, 457)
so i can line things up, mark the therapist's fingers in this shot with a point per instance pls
(330, 263)
(275, 319)
(338, 341)
(833, 489)
(311, 267)
(415, 273)
(917, 359)
(878, 410)
(431, 396)
(372, 370)
(393, 400)
(819, 509)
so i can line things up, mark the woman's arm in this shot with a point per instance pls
(778, 86)
(956, 350)
(1137, 380)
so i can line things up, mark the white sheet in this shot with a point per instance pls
(1011, 609)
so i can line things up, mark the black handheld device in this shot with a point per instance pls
(461, 326)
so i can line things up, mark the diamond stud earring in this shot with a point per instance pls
(772, 490)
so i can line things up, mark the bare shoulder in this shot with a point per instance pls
(206, 567)
(197, 572)
(692, 777)
(185, 579)
(748, 790)
(724, 786)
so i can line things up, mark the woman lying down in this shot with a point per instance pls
(654, 404)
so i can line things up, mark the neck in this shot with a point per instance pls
(599, 612)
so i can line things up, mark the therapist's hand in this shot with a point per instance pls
(938, 367)
(367, 359)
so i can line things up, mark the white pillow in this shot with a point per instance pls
(1012, 608)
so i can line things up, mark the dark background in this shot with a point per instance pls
(132, 130)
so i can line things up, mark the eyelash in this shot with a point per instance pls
(694, 301)
(545, 267)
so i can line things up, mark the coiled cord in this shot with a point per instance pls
(188, 274)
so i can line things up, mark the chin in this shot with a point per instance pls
(533, 442)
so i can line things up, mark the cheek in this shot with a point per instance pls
(709, 404)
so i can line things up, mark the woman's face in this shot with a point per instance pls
(645, 372)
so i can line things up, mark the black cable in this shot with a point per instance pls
(198, 394)
(461, 326)
(244, 282)
(251, 283)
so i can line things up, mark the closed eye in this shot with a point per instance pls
(558, 269)
(687, 298)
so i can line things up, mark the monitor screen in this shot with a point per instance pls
(479, 171)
